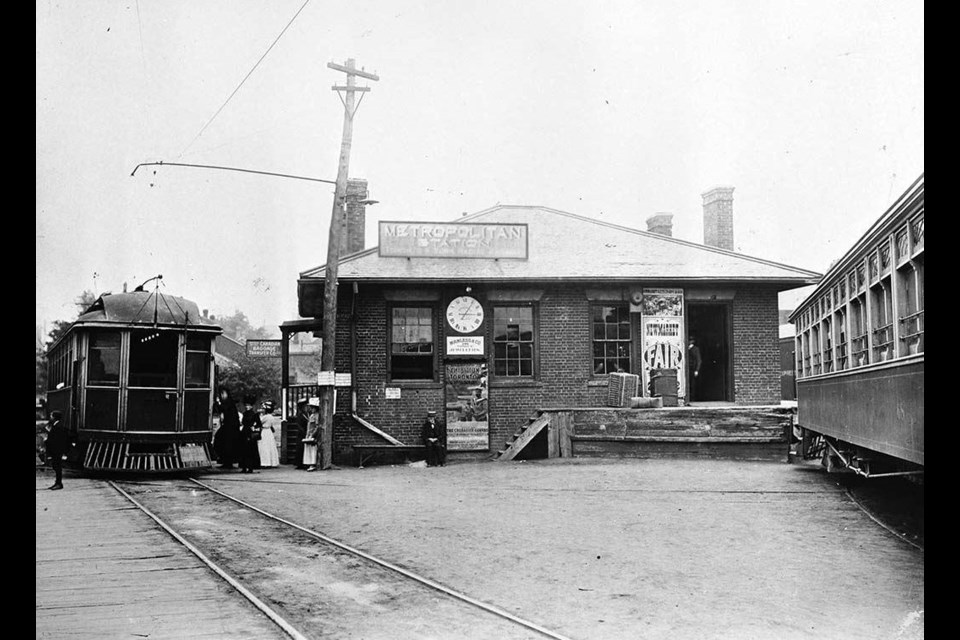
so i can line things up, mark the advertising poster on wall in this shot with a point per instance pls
(661, 324)
(468, 426)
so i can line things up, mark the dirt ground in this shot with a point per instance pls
(624, 548)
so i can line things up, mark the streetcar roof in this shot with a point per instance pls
(142, 308)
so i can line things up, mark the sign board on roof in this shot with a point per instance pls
(263, 348)
(453, 240)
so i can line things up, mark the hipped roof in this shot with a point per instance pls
(566, 246)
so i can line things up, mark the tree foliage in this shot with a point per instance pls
(238, 327)
(259, 377)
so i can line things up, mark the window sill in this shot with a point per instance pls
(514, 384)
(414, 384)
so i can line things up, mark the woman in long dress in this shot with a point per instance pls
(269, 454)
(226, 442)
(251, 430)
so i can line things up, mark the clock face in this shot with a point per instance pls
(464, 314)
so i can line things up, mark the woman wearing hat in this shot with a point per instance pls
(226, 441)
(301, 421)
(267, 445)
(310, 444)
(251, 430)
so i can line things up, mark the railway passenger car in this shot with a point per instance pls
(134, 379)
(859, 350)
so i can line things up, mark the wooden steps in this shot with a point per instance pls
(523, 436)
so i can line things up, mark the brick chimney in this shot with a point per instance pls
(718, 217)
(353, 240)
(661, 223)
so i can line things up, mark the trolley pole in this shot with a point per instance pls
(337, 226)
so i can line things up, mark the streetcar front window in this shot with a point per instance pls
(153, 358)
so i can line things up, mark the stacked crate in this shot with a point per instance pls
(622, 387)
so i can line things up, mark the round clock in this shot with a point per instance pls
(464, 314)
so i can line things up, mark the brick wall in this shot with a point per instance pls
(565, 366)
(756, 346)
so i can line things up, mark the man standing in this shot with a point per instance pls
(693, 368)
(56, 447)
(434, 437)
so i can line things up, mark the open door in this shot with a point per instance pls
(710, 324)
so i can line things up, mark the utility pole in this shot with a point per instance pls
(337, 224)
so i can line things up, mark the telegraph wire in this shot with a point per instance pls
(204, 128)
(161, 163)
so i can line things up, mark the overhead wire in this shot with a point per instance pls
(249, 73)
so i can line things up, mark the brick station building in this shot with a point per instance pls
(497, 315)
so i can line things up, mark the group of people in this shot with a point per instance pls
(248, 437)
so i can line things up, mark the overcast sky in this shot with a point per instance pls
(813, 111)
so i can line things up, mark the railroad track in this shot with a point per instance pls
(309, 584)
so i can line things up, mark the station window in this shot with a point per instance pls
(611, 338)
(412, 343)
(513, 342)
(153, 358)
(103, 363)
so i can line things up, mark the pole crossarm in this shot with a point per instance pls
(340, 88)
(353, 71)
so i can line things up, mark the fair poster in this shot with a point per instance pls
(661, 324)
(468, 426)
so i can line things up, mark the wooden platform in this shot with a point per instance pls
(104, 569)
(736, 432)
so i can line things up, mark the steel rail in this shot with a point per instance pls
(259, 604)
(388, 565)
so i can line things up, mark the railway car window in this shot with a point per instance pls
(916, 232)
(151, 410)
(412, 345)
(611, 339)
(827, 347)
(909, 308)
(859, 354)
(153, 358)
(840, 333)
(196, 410)
(198, 361)
(815, 350)
(103, 362)
(101, 409)
(881, 306)
(513, 342)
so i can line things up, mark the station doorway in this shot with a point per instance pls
(710, 324)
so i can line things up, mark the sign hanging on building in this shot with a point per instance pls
(264, 348)
(464, 345)
(468, 424)
(662, 302)
(661, 323)
(453, 240)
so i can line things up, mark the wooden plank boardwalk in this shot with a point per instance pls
(105, 570)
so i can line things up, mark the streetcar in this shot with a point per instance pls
(133, 377)
(859, 349)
